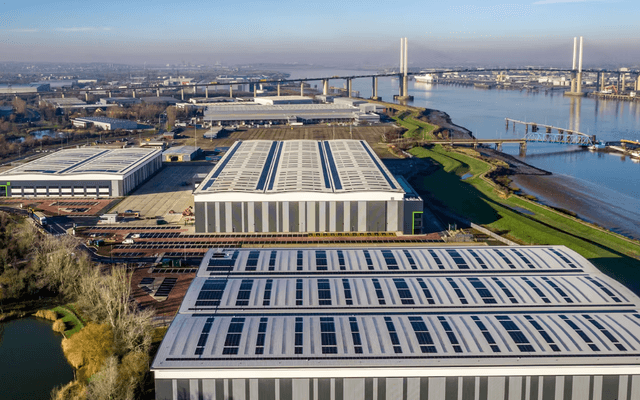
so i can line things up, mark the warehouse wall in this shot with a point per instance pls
(302, 216)
(132, 180)
(609, 387)
(54, 188)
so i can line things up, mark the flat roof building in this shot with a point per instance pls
(180, 153)
(274, 100)
(436, 323)
(82, 172)
(304, 186)
(105, 123)
(122, 101)
(250, 112)
(160, 100)
(24, 88)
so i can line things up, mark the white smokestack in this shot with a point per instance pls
(580, 58)
(575, 50)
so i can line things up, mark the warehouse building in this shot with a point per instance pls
(24, 88)
(180, 153)
(449, 323)
(274, 100)
(304, 186)
(82, 172)
(105, 123)
(121, 101)
(254, 113)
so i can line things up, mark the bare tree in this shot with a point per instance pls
(108, 298)
(20, 105)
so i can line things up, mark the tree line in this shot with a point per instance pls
(111, 353)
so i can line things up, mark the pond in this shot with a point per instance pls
(32, 360)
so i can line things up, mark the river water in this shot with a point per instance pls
(31, 360)
(603, 188)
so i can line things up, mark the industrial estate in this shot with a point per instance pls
(305, 243)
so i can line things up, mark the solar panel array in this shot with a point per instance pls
(262, 166)
(86, 160)
(402, 307)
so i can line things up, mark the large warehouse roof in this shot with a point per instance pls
(87, 160)
(263, 112)
(261, 166)
(370, 312)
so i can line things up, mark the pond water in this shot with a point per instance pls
(31, 360)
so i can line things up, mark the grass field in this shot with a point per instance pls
(521, 220)
(415, 129)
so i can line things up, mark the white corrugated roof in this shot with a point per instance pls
(352, 308)
(264, 166)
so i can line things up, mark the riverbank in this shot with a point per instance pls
(585, 201)
(481, 201)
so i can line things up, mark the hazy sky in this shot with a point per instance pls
(345, 32)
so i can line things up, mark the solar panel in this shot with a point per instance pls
(147, 281)
(165, 287)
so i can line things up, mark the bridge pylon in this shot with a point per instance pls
(403, 78)
(576, 74)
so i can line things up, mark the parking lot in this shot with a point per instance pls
(165, 196)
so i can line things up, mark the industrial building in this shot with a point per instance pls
(6, 111)
(180, 153)
(121, 101)
(24, 88)
(435, 323)
(105, 123)
(254, 113)
(82, 172)
(271, 100)
(305, 186)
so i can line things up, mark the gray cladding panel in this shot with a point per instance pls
(201, 220)
(614, 387)
(223, 217)
(294, 216)
(354, 215)
(340, 216)
(273, 216)
(376, 216)
(257, 212)
(236, 217)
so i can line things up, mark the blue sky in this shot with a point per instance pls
(347, 32)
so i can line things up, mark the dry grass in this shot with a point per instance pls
(371, 134)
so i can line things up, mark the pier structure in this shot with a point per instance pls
(562, 135)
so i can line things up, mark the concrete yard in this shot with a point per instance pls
(169, 190)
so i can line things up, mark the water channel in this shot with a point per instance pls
(603, 188)
(32, 362)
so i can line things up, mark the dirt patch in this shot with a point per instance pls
(446, 128)
(516, 167)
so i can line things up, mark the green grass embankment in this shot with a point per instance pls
(521, 220)
(70, 319)
(416, 129)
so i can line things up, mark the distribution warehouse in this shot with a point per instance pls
(305, 186)
(438, 323)
(83, 172)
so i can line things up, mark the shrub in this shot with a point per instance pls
(88, 349)
(47, 314)
(59, 326)
(73, 390)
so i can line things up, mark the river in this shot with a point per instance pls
(602, 188)
(32, 362)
